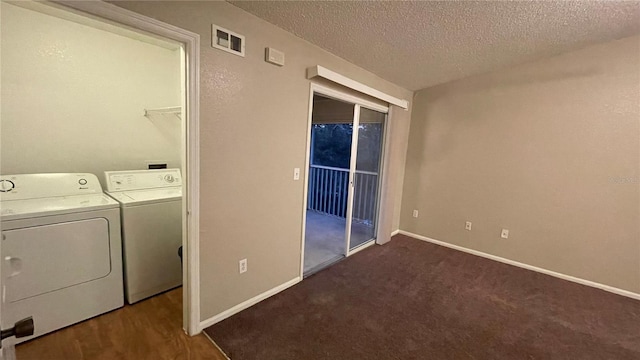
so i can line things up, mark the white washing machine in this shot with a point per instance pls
(62, 250)
(151, 215)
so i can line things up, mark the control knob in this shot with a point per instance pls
(6, 185)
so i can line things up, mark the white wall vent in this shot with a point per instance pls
(226, 40)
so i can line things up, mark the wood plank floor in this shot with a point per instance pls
(150, 329)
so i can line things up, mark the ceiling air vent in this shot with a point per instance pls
(226, 40)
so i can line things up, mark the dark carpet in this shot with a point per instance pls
(414, 300)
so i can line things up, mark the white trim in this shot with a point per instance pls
(190, 156)
(305, 192)
(244, 305)
(396, 232)
(355, 85)
(363, 246)
(8, 351)
(558, 275)
(338, 95)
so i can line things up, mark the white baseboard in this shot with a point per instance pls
(254, 300)
(574, 279)
(395, 232)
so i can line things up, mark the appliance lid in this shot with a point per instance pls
(142, 179)
(29, 208)
(147, 196)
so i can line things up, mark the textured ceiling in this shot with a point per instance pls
(420, 44)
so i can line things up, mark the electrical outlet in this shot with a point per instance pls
(415, 213)
(242, 266)
(504, 234)
(467, 225)
(296, 174)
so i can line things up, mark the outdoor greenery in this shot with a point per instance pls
(332, 145)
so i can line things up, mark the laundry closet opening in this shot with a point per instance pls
(92, 150)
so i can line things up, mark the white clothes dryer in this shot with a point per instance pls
(62, 250)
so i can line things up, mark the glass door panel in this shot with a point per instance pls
(328, 183)
(366, 177)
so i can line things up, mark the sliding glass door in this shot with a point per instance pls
(344, 180)
(328, 183)
(366, 161)
(368, 135)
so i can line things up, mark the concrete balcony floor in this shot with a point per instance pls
(325, 239)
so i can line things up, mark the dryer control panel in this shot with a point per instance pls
(35, 186)
(142, 179)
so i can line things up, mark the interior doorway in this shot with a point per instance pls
(344, 177)
(84, 143)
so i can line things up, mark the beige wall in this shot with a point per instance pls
(253, 133)
(549, 150)
(68, 107)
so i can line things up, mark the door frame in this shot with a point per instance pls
(190, 156)
(358, 102)
(352, 173)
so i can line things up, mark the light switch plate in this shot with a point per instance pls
(274, 56)
(296, 174)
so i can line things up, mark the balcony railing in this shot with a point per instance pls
(328, 190)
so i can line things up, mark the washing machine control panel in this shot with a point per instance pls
(33, 186)
(142, 179)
